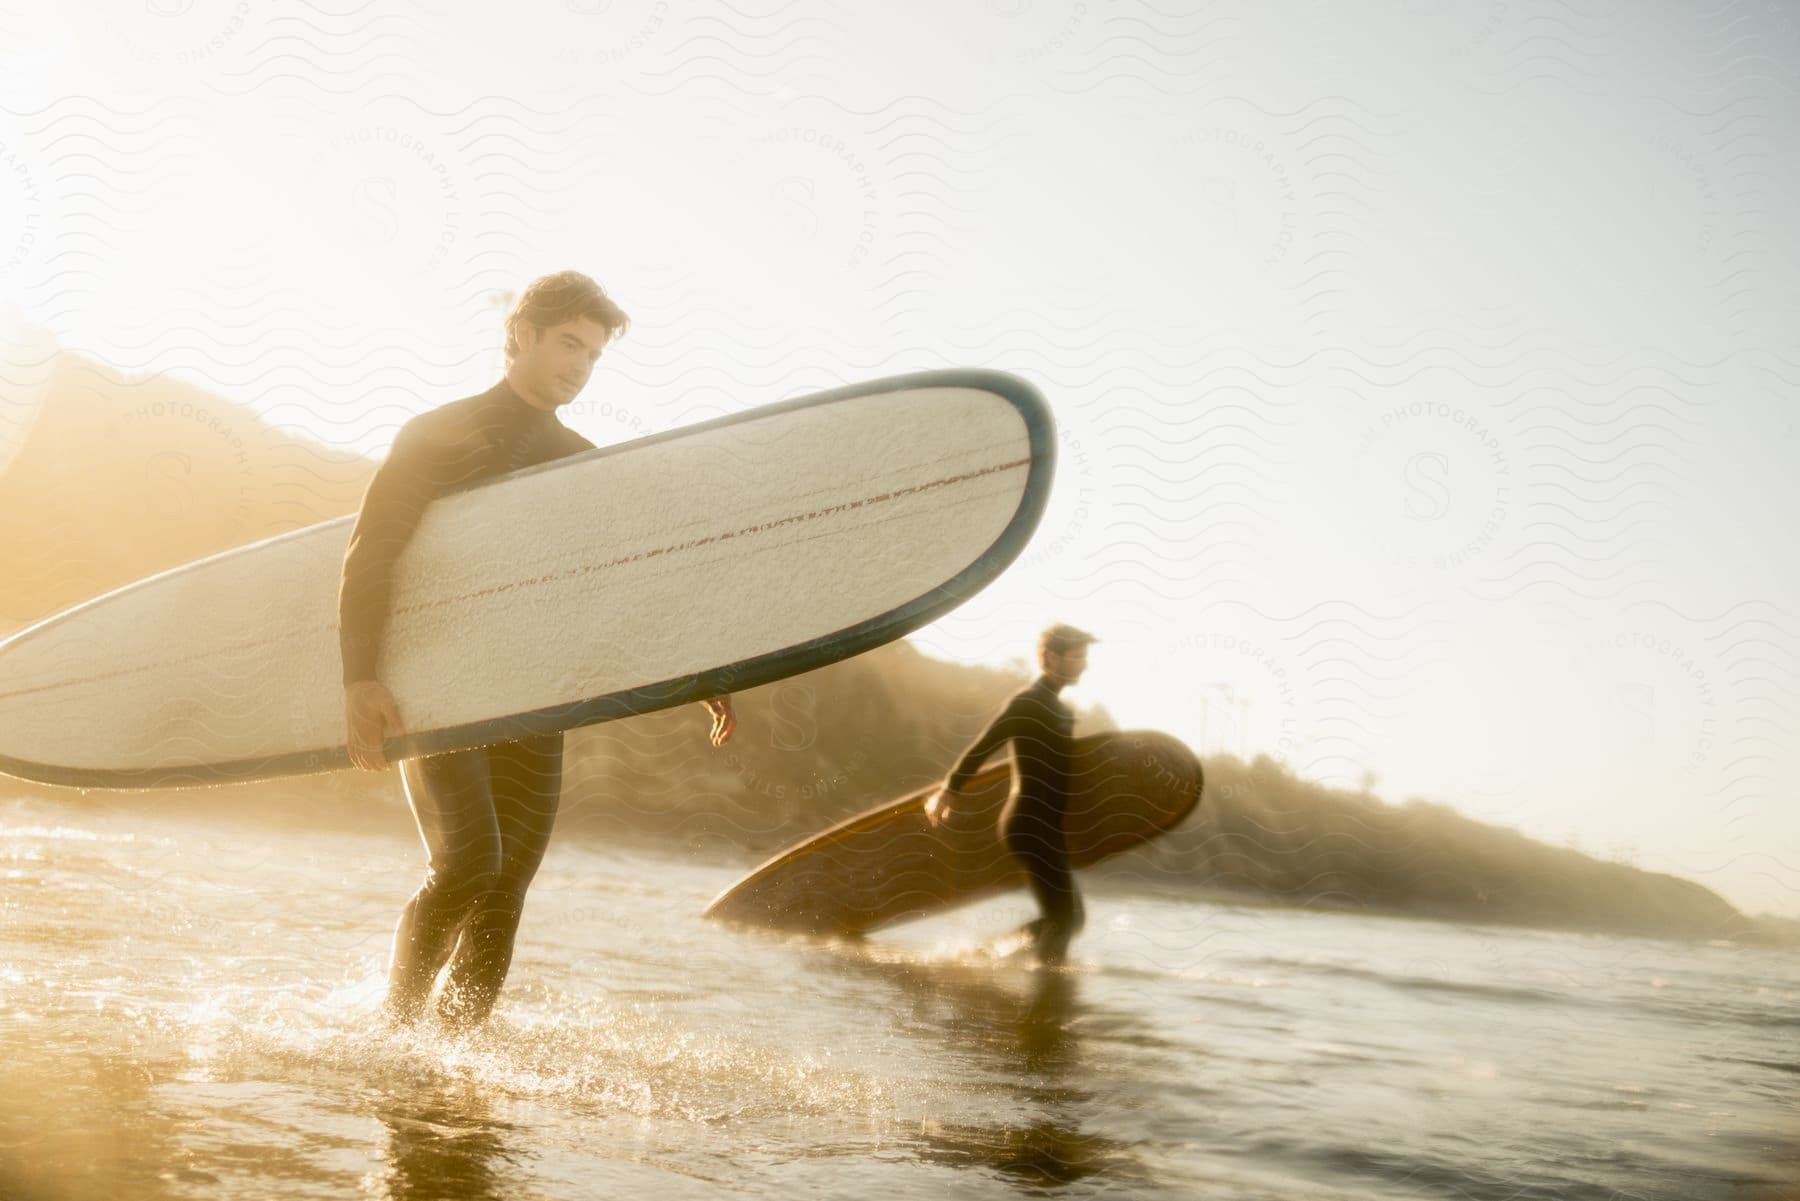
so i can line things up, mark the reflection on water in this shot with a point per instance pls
(1041, 1155)
(1027, 1039)
(442, 1146)
(76, 1125)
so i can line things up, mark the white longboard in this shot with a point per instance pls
(620, 581)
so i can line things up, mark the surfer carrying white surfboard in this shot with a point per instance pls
(484, 814)
(1040, 728)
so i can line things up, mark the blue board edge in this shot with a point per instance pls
(748, 673)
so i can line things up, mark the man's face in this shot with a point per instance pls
(554, 362)
(1068, 666)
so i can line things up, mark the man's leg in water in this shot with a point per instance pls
(454, 805)
(527, 784)
(1041, 850)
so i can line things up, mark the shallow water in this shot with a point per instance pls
(189, 1008)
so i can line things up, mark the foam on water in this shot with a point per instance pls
(543, 1045)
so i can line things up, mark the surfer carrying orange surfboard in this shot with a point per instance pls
(485, 813)
(1040, 728)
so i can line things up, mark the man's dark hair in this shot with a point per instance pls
(564, 296)
(1060, 639)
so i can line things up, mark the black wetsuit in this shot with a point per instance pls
(485, 814)
(1040, 727)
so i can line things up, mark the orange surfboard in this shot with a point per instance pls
(889, 865)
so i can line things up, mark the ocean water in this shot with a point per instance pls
(189, 1008)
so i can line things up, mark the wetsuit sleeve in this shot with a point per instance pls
(401, 488)
(1003, 727)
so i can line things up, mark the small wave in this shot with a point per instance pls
(1421, 1173)
(75, 834)
(1713, 1012)
(1428, 984)
(1774, 1065)
(1622, 1102)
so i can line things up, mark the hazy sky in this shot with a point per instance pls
(1426, 373)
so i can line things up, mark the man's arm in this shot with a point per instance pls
(396, 498)
(1003, 727)
(391, 509)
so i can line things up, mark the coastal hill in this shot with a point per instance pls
(107, 478)
(111, 478)
(830, 744)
